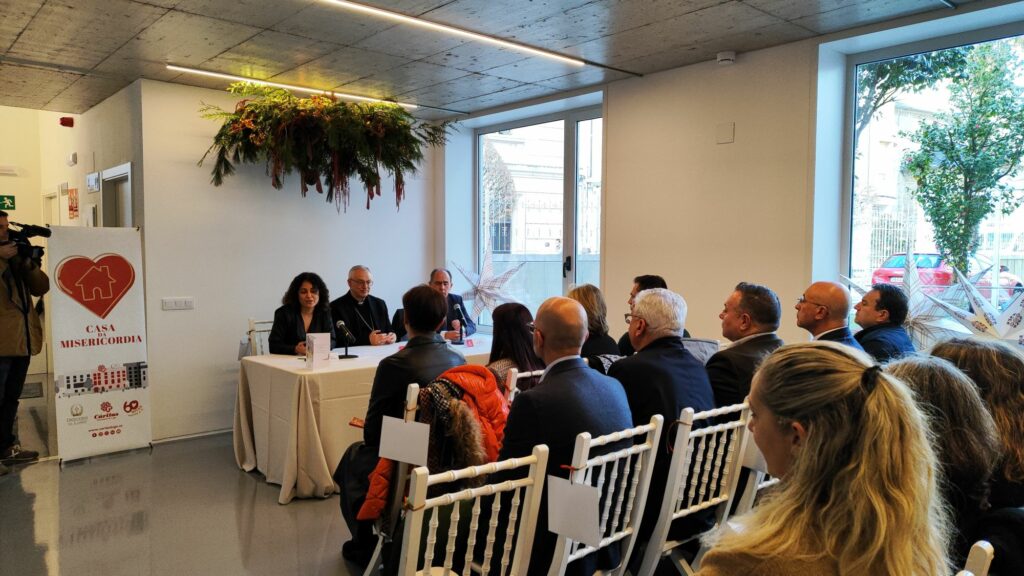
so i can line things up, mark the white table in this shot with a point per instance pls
(292, 424)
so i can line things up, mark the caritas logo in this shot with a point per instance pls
(132, 408)
(108, 412)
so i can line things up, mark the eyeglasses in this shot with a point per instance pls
(803, 300)
(361, 282)
(630, 316)
(531, 326)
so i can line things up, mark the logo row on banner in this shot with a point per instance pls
(98, 325)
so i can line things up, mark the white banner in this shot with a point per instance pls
(98, 319)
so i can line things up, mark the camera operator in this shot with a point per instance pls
(21, 336)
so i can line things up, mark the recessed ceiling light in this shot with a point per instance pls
(234, 78)
(455, 31)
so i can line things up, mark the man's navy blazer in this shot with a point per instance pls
(885, 342)
(732, 369)
(843, 336)
(571, 399)
(454, 299)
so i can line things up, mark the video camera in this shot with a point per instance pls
(25, 248)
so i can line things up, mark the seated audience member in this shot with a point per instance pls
(512, 344)
(571, 398)
(881, 314)
(967, 445)
(424, 357)
(859, 491)
(598, 341)
(822, 310)
(998, 371)
(364, 315)
(662, 377)
(304, 310)
(749, 318)
(640, 283)
(441, 281)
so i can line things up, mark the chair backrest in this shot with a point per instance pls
(702, 474)
(525, 505)
(980, 558)
(512, 380)
(702, 348)
(396, 490)
(259, 333)
(623, 475)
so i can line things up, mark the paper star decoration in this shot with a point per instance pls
(985, 320)
(486, 288)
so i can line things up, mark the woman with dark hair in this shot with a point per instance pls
(305, 310)
(512, 344)
(598, 341)
(964, 437)
(998, 371)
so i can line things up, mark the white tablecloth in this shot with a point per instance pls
(292, 424)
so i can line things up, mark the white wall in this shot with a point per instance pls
(235, 248)
(705, 215)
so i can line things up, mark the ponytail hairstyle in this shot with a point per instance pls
(861, 488)
(998, 370)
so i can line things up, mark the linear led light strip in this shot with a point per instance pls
(453, 30)
(285, 86)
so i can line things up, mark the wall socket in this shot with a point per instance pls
(178, 303)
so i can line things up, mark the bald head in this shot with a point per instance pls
(561, 328)
(823, 307)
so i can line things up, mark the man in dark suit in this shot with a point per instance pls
(822, 310)
(364, 315)
(661, 378)
(441, 280)
(750, 318)
(881, 314)
(424, 358)
(570, 398)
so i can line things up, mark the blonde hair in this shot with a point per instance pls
(998, 370)
(861, 490)
(593, 302)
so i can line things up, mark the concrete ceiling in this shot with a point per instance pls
(69, 55)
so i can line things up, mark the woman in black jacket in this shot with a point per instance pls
(305, 310)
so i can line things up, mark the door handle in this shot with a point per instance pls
(566, 266)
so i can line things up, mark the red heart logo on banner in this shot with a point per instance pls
(96, 284)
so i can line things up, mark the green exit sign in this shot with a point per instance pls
(6, 202)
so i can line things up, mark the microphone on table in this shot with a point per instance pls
(462, 325)
(348, 337)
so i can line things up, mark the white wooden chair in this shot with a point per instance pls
(512, 379)
(525, 505)
(628, 473)
(259, 333)
(758, 479)
(388, 521)
(979, 559)
(702, 475)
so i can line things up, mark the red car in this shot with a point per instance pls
(936, 275)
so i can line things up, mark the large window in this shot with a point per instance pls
(938, 144)
(539, 186)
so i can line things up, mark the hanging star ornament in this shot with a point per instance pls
(982, 319)
(486, 288)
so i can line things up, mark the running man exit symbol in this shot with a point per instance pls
(6, 202)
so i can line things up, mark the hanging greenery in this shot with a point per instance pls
(325, 140)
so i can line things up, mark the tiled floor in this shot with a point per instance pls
(183, 508)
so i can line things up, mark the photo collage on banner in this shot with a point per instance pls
(98, 322)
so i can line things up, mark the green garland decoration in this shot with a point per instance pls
(325, 140)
